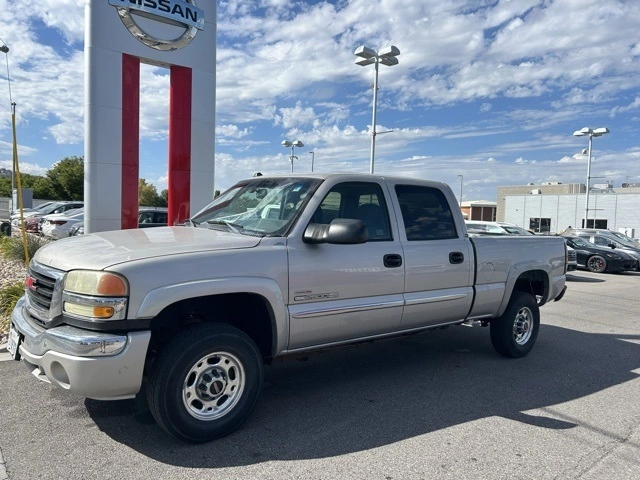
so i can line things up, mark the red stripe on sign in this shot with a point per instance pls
(179, 145)
(130, 140)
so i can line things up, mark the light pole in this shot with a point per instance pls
(297, 143)
(386, 56)
(461, 180)
(596, 132)
(313, 157)
(5, 49)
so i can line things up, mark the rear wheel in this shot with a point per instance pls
(205, 383)
(515, 332)
(597, 264)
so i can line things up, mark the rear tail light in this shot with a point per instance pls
(57, 222)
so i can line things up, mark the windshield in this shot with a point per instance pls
(578, 242)
(484, 228)
(261, 206)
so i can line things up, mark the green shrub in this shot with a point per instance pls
(12, 249)
(9, 295)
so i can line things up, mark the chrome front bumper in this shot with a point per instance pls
(97, 365)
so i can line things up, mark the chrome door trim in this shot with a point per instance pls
(344, 310)
(443, 298)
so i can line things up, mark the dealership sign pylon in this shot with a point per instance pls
(120, 35)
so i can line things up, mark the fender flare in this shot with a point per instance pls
(158, 299)
(514, 274)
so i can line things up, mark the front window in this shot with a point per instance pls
(261, 206)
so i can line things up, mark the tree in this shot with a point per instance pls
(148, 195)
(67, 179)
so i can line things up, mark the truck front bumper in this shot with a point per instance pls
(97, 365)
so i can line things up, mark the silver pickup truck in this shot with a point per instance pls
(274, 266)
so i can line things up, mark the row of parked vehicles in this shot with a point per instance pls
(596, 250)
(56, 220)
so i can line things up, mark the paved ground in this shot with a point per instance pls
(439, 405)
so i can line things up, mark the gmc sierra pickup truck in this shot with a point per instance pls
(274, 266)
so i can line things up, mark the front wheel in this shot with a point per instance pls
(597, 264)
(205, 383)
(515, 332)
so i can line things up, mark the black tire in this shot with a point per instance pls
(205, 383)
(515, 332)
(597, 264)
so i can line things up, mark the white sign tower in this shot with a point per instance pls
(119, 35)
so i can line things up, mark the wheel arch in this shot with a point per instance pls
(535, 281)
(259, 310)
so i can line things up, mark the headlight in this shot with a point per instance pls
(93, 295)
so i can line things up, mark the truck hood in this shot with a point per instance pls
(102, 250)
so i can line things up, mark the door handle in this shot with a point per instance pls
(392, 260)
(456, 257)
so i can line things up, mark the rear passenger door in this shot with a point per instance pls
(438, 257)
(344, 292)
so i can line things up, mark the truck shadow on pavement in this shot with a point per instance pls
(351, 400)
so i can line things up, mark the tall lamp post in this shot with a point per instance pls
(386, 56)
(293, 145)
(5, 49)
(461, 180)
(313, 157)
(584, 132)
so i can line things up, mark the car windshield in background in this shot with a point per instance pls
(579, 242)
(261, 206)
(485, 228)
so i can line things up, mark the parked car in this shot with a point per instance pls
(57, 207)
(598, 259)
(27, 211)
(147, 217)
(597, 231)
(58, 225)
(197, 310)
(613, 242)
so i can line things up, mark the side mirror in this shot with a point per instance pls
(612, 245)
(341, 231)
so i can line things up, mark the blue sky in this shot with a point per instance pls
(488, 89)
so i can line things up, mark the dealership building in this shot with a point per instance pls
(552, 207)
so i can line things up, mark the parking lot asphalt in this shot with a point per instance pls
(438, 405)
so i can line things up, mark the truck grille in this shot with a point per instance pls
(44, 294)
(40, 289)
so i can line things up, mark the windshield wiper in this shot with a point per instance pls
(191, 223)
(234, 227)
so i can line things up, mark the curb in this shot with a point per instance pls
(3, 469)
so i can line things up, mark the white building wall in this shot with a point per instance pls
(622, 211)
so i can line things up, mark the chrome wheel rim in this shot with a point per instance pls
(523, 326)
(596, 264)
(213, 386)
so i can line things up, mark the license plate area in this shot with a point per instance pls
(13, 343)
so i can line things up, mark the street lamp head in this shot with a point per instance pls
(4, 49)
(363, 62)
(598, 132)
(584, 151)
(389, 61)
(298, 143)
(286, 143)
(365, 52)
(390, 51)
(582, 132)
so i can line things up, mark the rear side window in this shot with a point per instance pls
(425, 213)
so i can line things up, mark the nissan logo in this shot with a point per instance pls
(183, 14)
